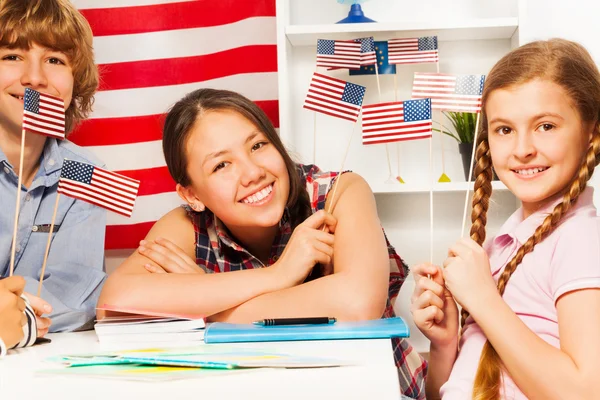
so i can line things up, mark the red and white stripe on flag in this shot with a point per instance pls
(461, 93)
(98, 186)
(386, 122)
(334, 97)
(43, 114)
(152, 55)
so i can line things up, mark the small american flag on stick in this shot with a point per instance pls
(44, 114)
(396, 121)
(334, 97)
(338, 53)
(98, 186)
(450, 92)
(413, 50)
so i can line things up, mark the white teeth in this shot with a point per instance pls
(530, 171)
(258, 196)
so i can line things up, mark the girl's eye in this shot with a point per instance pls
(10, 57)
(546, 127)
(220, 165)
(259, 145)
(503, 130)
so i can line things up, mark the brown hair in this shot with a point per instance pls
(57, 25)
(181, 119)
(569, 65)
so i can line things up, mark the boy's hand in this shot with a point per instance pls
(40, 307)
(12, 306)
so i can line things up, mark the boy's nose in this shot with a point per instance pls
(34, 76)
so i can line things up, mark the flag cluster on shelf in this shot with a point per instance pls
(386, 122)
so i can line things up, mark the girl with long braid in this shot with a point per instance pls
(531, 296)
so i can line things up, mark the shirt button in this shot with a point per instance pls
(51, 162)
(28, 197)
(7, 170)
(275, 257)
(18, 249)
(34, 228)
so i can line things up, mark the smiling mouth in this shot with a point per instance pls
(259, 196)
(529, 171)
(17, 97)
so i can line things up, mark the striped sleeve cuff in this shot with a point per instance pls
(29, 329)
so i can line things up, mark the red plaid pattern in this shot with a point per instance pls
(217, 252)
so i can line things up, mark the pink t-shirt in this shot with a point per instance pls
(568, 259)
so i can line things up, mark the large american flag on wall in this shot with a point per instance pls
(151, 53)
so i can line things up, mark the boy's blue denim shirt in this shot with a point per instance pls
(75, 267)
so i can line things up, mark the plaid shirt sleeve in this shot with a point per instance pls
(412, 368)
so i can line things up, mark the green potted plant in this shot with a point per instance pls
(464, 130)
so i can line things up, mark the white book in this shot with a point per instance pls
(136, 326)
(163, 325)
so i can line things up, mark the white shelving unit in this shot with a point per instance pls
(449, 187)
(467, 29)
(472, 36)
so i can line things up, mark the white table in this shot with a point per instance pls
(373, 376)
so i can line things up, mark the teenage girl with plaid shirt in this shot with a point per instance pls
(254, 240)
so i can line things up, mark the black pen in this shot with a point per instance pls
(295, 321)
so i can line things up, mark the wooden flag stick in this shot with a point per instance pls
(315, 140)
(377, 77)
(337, 181)
(17, 205)
(315, 131)
(398, 177)
(442, 144)
(39, 292)
(462, 232)
(396, 86)
(387, 151)
(443, 177)
(431, 199)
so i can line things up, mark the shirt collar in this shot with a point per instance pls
(223, 235)
(225, 238)
(50, 164)
(520, 229)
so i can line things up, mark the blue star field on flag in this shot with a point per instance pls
(417, 110)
